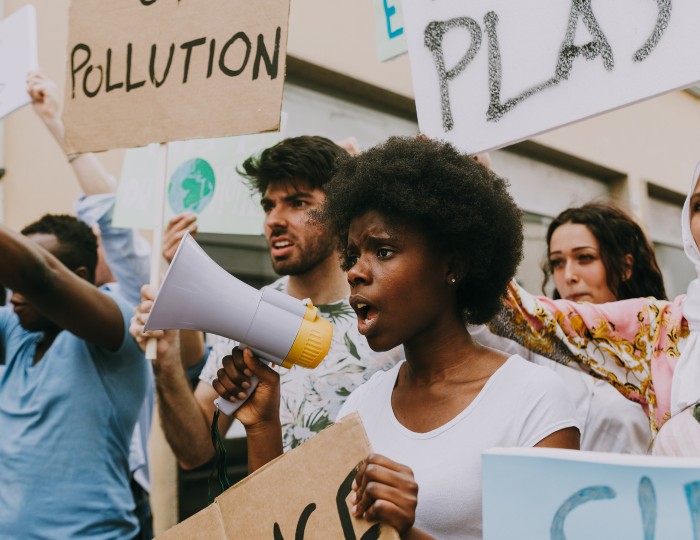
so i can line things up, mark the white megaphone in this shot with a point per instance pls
(197, 294)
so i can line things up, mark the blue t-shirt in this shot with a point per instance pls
(65, 427)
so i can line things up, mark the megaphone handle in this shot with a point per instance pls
(227, 407)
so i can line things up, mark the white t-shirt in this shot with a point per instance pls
(520, 405)
(609, 422)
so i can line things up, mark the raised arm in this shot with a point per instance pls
(59, 294)
(628, 343)
(186, 417)
(88, 170)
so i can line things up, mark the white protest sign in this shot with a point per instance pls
(388, 19)
(201, 178)
(18, 56)
(488, 73)
(542, 493)
(146, 71)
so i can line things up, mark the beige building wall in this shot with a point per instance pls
(651, 142)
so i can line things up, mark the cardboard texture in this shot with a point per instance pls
(140, 74)
(537, 493)
(18, 56)
(489, 73)
(303, 494)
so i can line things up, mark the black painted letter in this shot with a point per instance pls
(74, 70)
(261, 52)
(497, 109)
(188, 47)
(434, 34)
(152, 65)
(129, 85)
(108, 84)
(598, 47)
(222, 57)
(661, 24)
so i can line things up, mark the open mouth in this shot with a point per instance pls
(366, 316)
(280, 247)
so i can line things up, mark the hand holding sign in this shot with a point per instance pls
(386, 491)
(44, 94)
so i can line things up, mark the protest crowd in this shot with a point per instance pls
(407, 246)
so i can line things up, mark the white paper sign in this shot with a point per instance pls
(488, 73)
(553, 494)
(18, 56)
(391, 38)
(201, 178)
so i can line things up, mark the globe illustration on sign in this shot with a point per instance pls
(191, 186)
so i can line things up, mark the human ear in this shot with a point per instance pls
(456, 270)
(628, 263)
(82, 272)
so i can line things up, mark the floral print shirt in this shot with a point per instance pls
(632, 344)
(311, 399)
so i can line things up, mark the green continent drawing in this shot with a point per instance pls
(191, 186)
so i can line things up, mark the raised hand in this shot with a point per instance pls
(167, 339)
(46, 103)
(175, 230)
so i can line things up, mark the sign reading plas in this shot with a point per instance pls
(488, 73)
(145, 71)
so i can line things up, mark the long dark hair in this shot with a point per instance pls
(618, 235)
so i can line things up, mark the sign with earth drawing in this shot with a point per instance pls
(202, 178)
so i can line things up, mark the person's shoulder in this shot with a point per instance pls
(8, 320)
(379, 379)
(365, 397)
(532, 378)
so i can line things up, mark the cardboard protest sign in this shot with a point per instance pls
(391, 39)
(202, 178)
(540, 493)
(145, 71)
(303, 494)
(18, 56)
(488, 73)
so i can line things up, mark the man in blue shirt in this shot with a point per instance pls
(72, 382)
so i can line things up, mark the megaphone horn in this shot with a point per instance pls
(197, 294)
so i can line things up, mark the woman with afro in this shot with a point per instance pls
(430, 240)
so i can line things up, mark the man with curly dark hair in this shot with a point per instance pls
(430, 240)
(72, 382)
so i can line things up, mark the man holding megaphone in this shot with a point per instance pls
(289, 177)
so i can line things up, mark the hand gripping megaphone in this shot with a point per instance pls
(197, 294)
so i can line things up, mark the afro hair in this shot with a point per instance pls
(463, 209)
